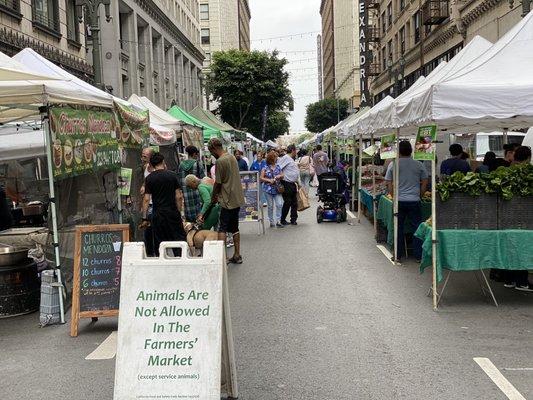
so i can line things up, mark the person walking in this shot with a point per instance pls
(305, 164)
(412, 183)
(229, 194)
(192, 165)
(205, 190)
(270, 178)
(291, 174)
(258, 165)
(320, 161)
(163, 188)
(148, 236)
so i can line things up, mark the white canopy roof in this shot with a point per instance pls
(494, 91)
(11, 70)
(26, 143)
(419, 96)
(364, 124)
(157, 115)
(22, 98)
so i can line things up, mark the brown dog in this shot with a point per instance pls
(197, 237)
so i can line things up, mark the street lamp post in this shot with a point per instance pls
(396, 73)
(91, 14)
(203, 82)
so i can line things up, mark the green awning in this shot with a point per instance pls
(208, 130)
(208, 117)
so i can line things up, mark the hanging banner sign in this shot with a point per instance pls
(388, 147)
(133, 126)
(124, 181)
(425, 143)
(82, 142)
(364, 53)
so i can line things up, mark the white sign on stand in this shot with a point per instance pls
(171, 325)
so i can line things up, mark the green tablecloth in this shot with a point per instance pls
(366, 199)
(471, 250)
(385, 214)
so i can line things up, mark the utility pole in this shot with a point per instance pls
(91, 14)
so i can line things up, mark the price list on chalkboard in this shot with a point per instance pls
(100, 266)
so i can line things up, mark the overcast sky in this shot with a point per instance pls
(274, 18)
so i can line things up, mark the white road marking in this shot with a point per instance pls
(107, 349)
(517, 369)
(386, 253)
(494, 373)
(350, 214)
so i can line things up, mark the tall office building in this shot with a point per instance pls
(340, 50)
(319, 66)
(225, 25)
(50, 27)
(412, 38)
(152, 48)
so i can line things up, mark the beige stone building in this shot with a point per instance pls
(340, 50)
(410, 38)
(152, 48)
(225, 25)
(50, 27)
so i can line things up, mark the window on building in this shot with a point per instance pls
(205, 35)
(73, 26)
(402, 4)
(402, 40)
(46, 14)
(204, 12)
(389, 50)
(11, 7)
(416, 26)
(383, 22)
(389, 15)
(383, 58)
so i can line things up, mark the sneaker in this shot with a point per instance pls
(284, 223)
(294, 223)
(235, 260)
(265, 204)
(525, 288)
(279, 225)
(229, 243)
(509, 285)
(272, 224)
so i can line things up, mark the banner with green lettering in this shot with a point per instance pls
(133, 126)
(82, 142)
(425, 143)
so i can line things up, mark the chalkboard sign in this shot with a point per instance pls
(97, 269)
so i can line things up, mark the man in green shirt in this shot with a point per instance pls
(229, 194)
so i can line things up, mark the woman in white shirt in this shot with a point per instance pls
(305, 164)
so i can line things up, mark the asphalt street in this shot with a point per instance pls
(318, 313)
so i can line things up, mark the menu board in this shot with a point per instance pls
(97, 271)
(250, 186)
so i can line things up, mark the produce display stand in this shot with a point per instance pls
(475, 250)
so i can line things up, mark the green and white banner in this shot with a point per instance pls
(425, 143)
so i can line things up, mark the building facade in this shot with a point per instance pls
(340, 50)
(50, 27)
(225, 25)
(152, 48)
(319, 66)
(410, 38)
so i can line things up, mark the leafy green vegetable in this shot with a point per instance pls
(508, 182)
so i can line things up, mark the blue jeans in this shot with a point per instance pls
(262, 196)
(412, 212)
(274, 200)
(305, 179)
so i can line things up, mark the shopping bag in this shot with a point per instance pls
(303, 200)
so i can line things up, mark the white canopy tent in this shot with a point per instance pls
(24, 144)
(494, 91)
(362, 126)
(157, 115)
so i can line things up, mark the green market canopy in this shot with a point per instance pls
(208, 130)
(211, 119)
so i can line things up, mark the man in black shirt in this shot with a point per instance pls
(163, 188)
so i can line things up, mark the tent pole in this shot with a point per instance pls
(374, 205)
(360, 166)
(505, 138)
(45, 115)
(434, 229)
(395, 190)
(353, 174)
